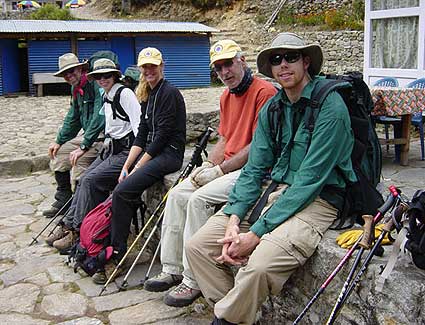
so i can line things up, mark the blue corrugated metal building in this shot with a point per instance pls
(33, 46)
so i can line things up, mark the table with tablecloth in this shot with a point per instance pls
(402, 102)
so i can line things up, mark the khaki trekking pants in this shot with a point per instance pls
(187, 209)
(62, 164)
(276, 257)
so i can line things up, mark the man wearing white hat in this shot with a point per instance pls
(192, 202)
(71, 154)
(296, 209)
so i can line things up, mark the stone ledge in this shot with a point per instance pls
(401, 302)
(23, 166)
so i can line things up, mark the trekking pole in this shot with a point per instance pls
(65, 206)
(148, 272)
(364, 243)
(195, 160)
(389, 225)
(124, 283)
(381, 211)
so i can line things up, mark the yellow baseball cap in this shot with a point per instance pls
(149, 55)
(225, 49)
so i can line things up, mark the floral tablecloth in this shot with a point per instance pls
(391, 101)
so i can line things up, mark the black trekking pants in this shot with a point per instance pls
(126, 195)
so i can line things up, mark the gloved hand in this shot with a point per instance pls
(207, 175)
(205, 164)
(348, 238)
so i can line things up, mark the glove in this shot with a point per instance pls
(348, 238)
(207, 175)
(205, 164)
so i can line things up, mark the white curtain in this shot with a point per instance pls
(395, 40)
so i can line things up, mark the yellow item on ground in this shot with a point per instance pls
(348, 238)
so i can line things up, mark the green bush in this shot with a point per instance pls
(51, 12)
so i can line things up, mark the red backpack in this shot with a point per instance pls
(93, 249)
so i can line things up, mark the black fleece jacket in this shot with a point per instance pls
(163, 119)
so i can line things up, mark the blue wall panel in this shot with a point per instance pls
(10, 66)
(1, 72)
(43, 57)
(87, 48)
(186, 57)
(124, 48)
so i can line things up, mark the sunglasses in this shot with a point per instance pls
(103, 76)
(69, 71)
(289, 57)
(226, 64)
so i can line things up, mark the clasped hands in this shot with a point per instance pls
(204, 174)
(236, 246)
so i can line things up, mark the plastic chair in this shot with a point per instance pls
(417, 118)
(386, 120)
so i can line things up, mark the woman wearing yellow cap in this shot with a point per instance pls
(158, 148)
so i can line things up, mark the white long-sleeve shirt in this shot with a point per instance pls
(119, 128)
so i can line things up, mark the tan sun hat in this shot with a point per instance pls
(149, 55)
(68, 61)
(224, 49)
(290, 41)
(104, 66)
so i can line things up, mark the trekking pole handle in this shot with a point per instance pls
(199, 147)
(367, 231)
(390, 200)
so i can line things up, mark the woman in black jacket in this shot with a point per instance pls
(157, 150)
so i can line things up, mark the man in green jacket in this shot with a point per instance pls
(72, 153)
(302, 202)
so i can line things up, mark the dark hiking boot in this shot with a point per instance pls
(181, 296)
(100, 277)
(54, 209)
(65, 243)
(162, 282)
(59, 233)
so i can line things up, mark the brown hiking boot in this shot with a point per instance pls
(100, 277)
(66, 242)
(59, 233)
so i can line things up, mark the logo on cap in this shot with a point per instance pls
(218, 48)
(148, 53)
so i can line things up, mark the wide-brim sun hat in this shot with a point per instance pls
(102, 66)
(290, 41)
(223, 50)
(132, 72)
(68, 61)
(149, 55)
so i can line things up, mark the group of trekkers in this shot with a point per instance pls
(268, 182)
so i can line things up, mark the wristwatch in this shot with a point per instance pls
(83, 147)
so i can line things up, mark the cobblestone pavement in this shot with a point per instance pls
(37, 287)
(30, 124)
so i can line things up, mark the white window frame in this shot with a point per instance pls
(404, 76)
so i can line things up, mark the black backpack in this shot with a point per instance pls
(416, 229)
(360, 197)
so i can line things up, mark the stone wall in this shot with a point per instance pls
(300, 7)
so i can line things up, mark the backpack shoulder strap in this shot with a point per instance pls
(318, 96)
(117, 109)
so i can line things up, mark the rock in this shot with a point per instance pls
(17, 319)
(7, 251)
(62, 273)
(148, 312)
(123, 299)
(91, 289)
(54, 288)
(65, 305)
(82, 321)
(40, 280)
(16, 220)
(20, 298)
